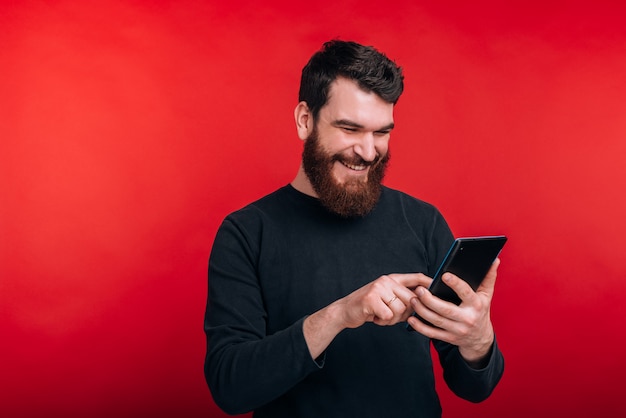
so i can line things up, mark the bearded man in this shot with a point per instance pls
(311, 287)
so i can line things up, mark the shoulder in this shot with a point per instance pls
(407, 203)
(255, 211)
(279, 209)
(419, 216)
(244, 227)
(277, 204)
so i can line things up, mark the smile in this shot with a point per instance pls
(354, 167)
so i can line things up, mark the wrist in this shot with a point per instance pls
(477, 357)
(321, 327)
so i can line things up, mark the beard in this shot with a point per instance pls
(351, 199)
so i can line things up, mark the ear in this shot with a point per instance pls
(304, 120)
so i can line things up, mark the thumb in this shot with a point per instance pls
(489, 282)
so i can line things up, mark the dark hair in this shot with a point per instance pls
(371, 69)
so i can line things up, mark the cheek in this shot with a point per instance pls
(330, 143)
(382, 147)
(340, 148)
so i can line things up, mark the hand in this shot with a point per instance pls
(385, 301)
(468, 325)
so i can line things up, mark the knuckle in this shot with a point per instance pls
(379, 284)
(385, 279)
(472, 320)
(386, 315)
(438, 321)
(447, 312)
(371, 298)
(463, 332)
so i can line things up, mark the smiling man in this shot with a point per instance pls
(345, 149)
(311, 287)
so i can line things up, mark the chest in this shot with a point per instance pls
(302, 269)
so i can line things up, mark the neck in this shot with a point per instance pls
(302, 184)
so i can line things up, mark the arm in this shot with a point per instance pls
(245, 367)
(469, 329)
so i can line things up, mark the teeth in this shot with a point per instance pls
(355, 167)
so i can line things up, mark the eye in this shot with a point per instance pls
(348, 129)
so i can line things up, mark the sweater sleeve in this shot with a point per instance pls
(467, 383)
(474, 385)
(244, 367)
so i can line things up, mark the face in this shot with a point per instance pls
(346, 153)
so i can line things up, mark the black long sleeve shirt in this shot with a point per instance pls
(284, 257)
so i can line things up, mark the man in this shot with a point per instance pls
(312, 286)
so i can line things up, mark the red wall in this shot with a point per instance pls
(129, 130)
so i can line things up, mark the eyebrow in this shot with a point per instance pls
(346, 122)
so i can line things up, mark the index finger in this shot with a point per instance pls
(411, 280)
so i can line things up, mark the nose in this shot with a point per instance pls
(366, 147)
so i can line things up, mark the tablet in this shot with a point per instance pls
(470, 259)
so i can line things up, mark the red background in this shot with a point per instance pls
(129, 129)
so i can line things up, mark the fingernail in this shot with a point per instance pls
(420, 291)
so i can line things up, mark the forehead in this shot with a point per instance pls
(348, 101)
